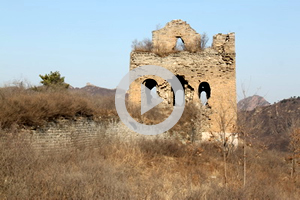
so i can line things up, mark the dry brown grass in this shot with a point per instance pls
(23, 107)
(155, 115)
(110, 168)
(142, 169)
(185, 127)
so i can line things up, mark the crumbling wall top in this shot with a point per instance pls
(166, 37)
(224, 43)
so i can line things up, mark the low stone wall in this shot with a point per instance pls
(66, 133)
(73, 134)
(60, 135)
(69, 134)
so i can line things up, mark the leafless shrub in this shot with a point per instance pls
(146, 45)
(204, 40)
(158, 26)
(161, 51)
(25, 107)
(294, 147)
(186, 124)
(193, 47)
(155, 115)
(142, 46)
(156, 147)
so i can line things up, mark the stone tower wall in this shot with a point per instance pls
(215, 66)
(165, 39)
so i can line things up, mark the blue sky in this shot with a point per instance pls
(90, 41)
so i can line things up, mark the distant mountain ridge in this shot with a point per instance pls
(252, 102)
(95, 90)
(263, 122)
(272, 124)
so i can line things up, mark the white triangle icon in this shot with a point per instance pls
(147, 100)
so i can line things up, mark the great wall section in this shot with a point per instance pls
(210, 71)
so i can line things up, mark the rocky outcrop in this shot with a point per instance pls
(251, 103)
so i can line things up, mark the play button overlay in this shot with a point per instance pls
(149, 101)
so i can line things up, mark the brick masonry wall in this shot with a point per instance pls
(214, 66)
(62, 135)
(73, 134)
(66, 135)
(217, 69)
(165, 38)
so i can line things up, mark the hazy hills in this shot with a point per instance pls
(264, 122)
(95, 90)
(272, 124)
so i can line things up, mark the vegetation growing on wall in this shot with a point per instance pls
(23, 107)
(146, 45)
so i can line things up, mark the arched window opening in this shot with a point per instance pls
(203, 98)
(179, 101)
(204, 92)
(151, 84)
(188, 91)
(179, 44)
(154, 92)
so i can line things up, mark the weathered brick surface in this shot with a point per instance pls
(166, 37)
(215, 65)
(69, 135)
(64, 135)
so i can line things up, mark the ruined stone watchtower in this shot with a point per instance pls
(208, 73)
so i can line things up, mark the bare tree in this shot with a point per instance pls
(244, 131)
(294, 147)
(225, 139)
(144, 45)
(244, 135)
(204, 40)
(158, 26)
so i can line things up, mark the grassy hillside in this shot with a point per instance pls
(111, 168)
(272, 124)
(23, 107)
(142, 169)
